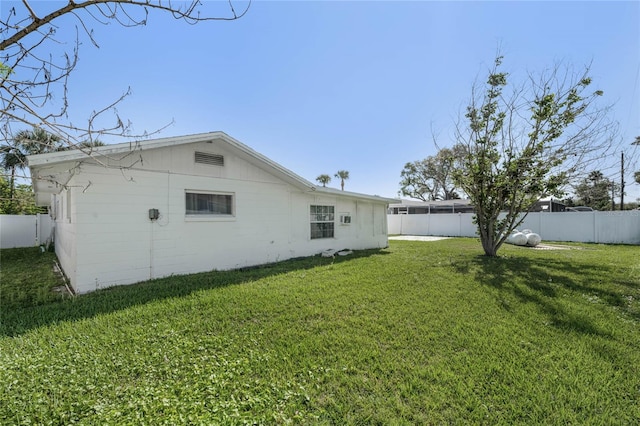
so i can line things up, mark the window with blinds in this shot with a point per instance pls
(209, 204)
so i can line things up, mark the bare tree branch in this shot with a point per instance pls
(35, 65)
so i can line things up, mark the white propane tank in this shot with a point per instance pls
(517, 238)
(533, 239)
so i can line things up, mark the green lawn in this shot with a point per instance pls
(419, 333)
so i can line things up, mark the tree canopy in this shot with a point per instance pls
(323, 179)
(432, 178)
(526, 144)
(594, 191)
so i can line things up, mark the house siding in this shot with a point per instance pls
(109, 239)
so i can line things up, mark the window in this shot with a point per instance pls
(322, 221)
(209, 204)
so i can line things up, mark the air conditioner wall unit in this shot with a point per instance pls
(345, 219)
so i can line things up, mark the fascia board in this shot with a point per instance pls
(348, 194)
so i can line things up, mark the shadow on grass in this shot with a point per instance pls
(18, 321)
(543, 280)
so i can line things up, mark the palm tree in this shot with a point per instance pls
(342, 175)
(24, 143)
(39, 141)
(324, 179)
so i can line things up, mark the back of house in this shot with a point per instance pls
(131, 212)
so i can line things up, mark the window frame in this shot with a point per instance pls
(315, 220)
(210, 216)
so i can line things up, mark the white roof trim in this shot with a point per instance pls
(39, 161)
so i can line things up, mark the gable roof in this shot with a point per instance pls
(50, 171)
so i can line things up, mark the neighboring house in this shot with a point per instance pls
(459, 206)
(136, 211)
(430, 207)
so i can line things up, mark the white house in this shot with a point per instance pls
(135, 211)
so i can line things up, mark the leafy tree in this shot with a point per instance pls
(323, 179)
(24, 201)
(342, 175)
(4, 196)
(595, 191)
(21, 202)
(432, 178)
(526, 145)
(36, 63)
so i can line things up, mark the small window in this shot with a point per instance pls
(322, 221)
(209, 204)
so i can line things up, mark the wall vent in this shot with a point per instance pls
(210, 159)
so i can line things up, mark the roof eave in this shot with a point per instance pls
(121, 148)
(340, 193)
(36, 162)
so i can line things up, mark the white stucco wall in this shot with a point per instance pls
(109, 240)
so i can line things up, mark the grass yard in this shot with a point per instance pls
(419, 333)
(27, 278)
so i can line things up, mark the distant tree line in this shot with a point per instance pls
(431, 180)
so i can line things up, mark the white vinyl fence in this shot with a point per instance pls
(617, 227)
(25, 230)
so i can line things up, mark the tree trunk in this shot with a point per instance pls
(487, 238)
(489, 247)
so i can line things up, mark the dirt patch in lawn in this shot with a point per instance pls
(555, 247)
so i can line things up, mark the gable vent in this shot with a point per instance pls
(210, 159)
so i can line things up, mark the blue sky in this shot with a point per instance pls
(324, 86)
